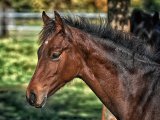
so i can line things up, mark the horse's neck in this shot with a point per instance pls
(101, 73)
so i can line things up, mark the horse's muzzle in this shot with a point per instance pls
(32, 100)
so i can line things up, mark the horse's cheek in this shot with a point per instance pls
(69, 68)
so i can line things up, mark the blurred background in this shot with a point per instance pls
(20, 24)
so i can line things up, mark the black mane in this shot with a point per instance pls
(101, 30)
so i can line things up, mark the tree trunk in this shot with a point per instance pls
(118, 14)
(3, 19)
(118, 18)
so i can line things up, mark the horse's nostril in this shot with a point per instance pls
(32, 98)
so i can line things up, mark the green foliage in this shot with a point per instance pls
(151, 5)
(17, 61)
(62, 5)
(21, 5)
(136, 3)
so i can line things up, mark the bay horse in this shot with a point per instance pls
(146, 26)
(115, 65)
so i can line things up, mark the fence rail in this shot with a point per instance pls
(15, 16)
(38, 15)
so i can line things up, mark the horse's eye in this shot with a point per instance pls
(55, 55)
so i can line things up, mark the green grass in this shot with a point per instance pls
(18, 60)
(73, 102)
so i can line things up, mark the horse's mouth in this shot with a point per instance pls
(45, 98)
(57, 87)
(42, 104)
(37, 104)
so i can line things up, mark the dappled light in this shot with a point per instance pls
(17, 61)
(69, 103)
(111, 47)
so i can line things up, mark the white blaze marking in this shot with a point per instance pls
(46, 42)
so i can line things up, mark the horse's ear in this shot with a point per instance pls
(45, 18)
(58, 22)
(155, 17)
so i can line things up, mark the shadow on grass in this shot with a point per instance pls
(74, 102)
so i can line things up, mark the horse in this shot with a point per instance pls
(147, 27)
(115, 65)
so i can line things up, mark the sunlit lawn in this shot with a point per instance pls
(17, 60)
(17, 63)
